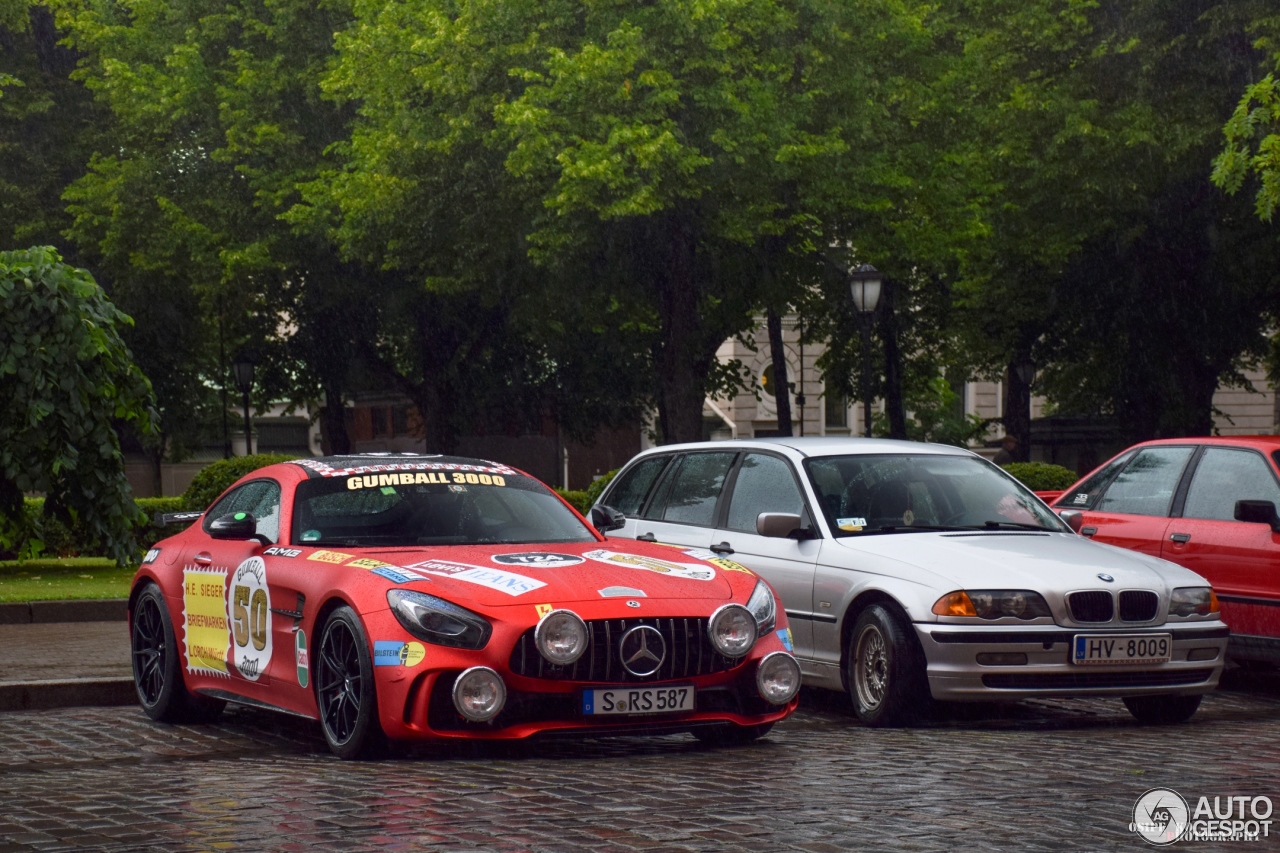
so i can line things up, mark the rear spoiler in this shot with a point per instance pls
(163, 519)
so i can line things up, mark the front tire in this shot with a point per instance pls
(731, 734)
(345, 690)
(885, 670)
(157, 668)
(1162, 710)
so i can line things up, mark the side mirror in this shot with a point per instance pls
(1073, 517)
(1258, 512)
(778, 525)
(237, 525)
(606, 518)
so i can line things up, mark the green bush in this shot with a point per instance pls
(150, 533)
(577, 498)
(214, 479)
(596, 489)
(1042, 476)
(59, 541)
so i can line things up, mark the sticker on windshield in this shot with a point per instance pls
(388, 482)
(507, 582)
(852, 525)
(538, 559)
(688, 571)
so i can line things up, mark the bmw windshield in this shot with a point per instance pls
(868, 494)
(431, 508)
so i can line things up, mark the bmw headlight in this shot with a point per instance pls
(438, 621)
(1193, 601)
(561, 637)
(732, 630)
(763, 608)
(993, 604)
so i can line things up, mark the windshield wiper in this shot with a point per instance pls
(909, 528)
(1015, 525)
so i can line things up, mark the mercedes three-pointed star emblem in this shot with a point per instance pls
(642, 650)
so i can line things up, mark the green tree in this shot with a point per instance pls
(66, 376)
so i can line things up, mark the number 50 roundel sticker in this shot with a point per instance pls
(249, 612)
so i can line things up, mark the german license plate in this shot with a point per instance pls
(638, 700)
(1119, 649)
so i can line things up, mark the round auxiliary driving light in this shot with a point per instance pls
(732, 630)
(479, 694)
(778, 678)
(561, 637)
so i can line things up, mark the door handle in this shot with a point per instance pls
(722, 548)
(1088, 531)
(204, 558)
(1181, 538)
(647, 537)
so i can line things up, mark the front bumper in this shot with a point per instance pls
(952, 652)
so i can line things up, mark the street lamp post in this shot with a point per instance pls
(243, 369)
(864, 285)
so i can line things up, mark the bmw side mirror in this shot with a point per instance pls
(778, 525)
(1258, 512)
(237, 525)
(606, 518)
(1073, 517)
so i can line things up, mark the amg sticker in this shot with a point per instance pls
(151, 557)
(277, 551)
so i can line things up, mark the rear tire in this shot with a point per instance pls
(157, 667)
(1162, 710)
(885, 670)
(731, 734)
(345, 690)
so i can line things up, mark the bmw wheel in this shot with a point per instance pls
(157, 670)
(344, 689)
(1162, 710)
(885, 670)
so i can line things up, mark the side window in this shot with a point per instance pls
(1146, 485)
(696, 487)
(1086, 494)
(626, 494)
(1225, 476)
(261, 497)
(764, 484)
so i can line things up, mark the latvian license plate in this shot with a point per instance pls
(638, 700)
(1117, 649)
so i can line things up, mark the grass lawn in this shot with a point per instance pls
(74, 577)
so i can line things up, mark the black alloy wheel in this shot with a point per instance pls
(345, 690)
(157, 665)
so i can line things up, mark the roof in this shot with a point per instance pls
(825, 445)
(1266, 441)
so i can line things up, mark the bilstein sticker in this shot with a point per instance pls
(422, 478)
(688, 571)
(507, 582)
(204, 620)
(249, 612)
(396, 653)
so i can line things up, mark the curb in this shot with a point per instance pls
(43, 695)
(88, 610)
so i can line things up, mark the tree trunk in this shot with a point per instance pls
(781, 389)
(333, 423)
(1017, 411)
(894, 408)
(155, 458)
(682, 366)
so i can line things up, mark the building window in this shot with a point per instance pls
(837, 405)
(379, 416)
(400, 420)
(766, 382)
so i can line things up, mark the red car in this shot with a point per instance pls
(415, 597)
(1208, 504)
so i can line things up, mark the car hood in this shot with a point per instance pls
(496, 575)
(1054, 561)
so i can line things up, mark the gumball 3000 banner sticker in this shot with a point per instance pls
(249, 612)
(204, 620)
(689, 571)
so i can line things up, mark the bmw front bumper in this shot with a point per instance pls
(953, 651)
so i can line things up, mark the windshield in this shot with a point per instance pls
(901, 493)
(436, 508)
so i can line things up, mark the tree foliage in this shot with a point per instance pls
(66, 376)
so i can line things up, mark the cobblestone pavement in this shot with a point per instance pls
(52, 650)
(1045, 775)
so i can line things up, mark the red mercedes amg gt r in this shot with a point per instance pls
(428, 597)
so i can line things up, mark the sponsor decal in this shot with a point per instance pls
(508, 582)
(324, 469)
(458, 490)
(784, 634)
(396, 653)
(538, 559)
(249, 612)
(301, 658)
(397, 575)
(852, 525)
(311, 536)
(204, 620)
(388, 482)
(366, 563)
(621, 592)
(543, 610)
(688, 571)
(1081, 498)
(716, 560)
(151, 557)
(277, 551)
(334, 557)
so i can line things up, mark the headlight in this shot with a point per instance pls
(732, 630)
(561, 637)
(479, 694)
(763, 608)
(438, 621)
(778, 678)
(992, 604)
(1193, 600)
